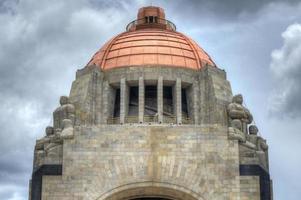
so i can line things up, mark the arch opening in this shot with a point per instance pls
(150, 198)
(150, 193)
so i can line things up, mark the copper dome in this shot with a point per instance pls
(151, 40)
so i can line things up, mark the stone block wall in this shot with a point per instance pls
(249, 188)
(208, 91)
(198, 160)
(190, 162)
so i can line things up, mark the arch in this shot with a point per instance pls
(150, 190)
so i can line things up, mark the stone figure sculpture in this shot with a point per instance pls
(39, 147)
(260, 143)
(235, 131)
(236, 111)
(46, 145)
(65, 111)
(50, 146)
(67, 132)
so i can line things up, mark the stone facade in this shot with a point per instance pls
(151, 131)
(199, 160)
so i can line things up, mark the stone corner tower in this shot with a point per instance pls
(151, 117)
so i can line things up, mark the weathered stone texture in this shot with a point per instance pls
(198, 160)
(249, 188)
(102, 158)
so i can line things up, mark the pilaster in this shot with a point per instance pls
(141, 99)
(178, 95)
(160, 99)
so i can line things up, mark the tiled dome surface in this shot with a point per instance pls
(154, 44)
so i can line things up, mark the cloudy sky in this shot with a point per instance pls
(43, 43)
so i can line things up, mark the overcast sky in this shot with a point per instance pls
(43, 43)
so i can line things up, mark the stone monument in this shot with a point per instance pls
(151, 116)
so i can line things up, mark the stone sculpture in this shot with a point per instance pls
(260, 143)
(47, 146)
(65, 111)
(50, 146)
(67, 132)
(236, 111)
(235, 131)
(257, 140)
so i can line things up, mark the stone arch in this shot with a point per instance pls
(150, 190)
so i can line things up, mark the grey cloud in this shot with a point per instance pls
(42, 43)
(286, 67)
(203, 11)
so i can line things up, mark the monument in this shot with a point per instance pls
(151, 116)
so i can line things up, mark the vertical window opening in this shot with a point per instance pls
(184, 103)
(167, 101)
(151, 19)
(117, 103)
(133, 101)
(150, 94)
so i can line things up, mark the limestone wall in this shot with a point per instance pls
(249, 188)
(208, 92)
(103, 160)
(190, 162)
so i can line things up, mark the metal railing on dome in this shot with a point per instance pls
(158, 21)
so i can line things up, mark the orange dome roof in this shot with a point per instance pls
(155, 43)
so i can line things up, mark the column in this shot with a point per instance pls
(160, 99)
(123, 100)
(178, 95)
(105, 102)
(141, 100)
(195, 108)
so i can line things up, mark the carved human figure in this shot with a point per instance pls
(235, 132)
(67, 132)
(54, 147)
(260, 143)
(65, 111)
(40, 152)
(237, 111)
(48, 145)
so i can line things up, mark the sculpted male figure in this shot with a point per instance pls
(49, 145)
(65, 111)
(237, 111)
(260, 143)
(235, 132)
(40, 147)
(257, 140)
(67, 132)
